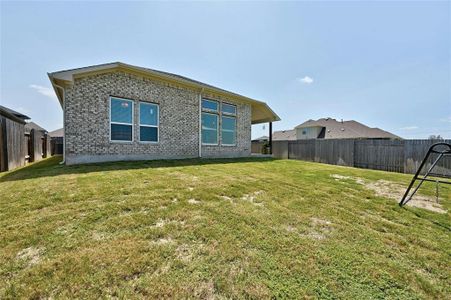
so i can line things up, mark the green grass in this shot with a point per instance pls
(249, 228)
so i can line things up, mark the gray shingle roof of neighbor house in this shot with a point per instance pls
(261, 138)
(284, 135)
(12, 114)
(261, 112)
(33, 125)
(347, 129)
(57, 133)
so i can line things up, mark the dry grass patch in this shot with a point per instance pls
(30, 255)
(395, 191)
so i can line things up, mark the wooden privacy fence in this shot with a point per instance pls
(56, 145)
(260, 147)
(402, 156)
(12, 144)
(38, 145)
(18, 147)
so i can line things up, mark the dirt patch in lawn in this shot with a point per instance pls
(339, 177)
(188, 252)
(395, 191)
(100, 236)
(163, 222)
(252, 197)
(162, 241)
(193, 201)
(320, 228)
(31, 254)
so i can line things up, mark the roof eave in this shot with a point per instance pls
(55, 89)
(68, 77)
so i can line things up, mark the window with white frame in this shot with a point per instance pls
(121, 119)
(228, 124)
(228, 109)
(148, 122)
(228, 130)
(210, 122)
(210, 105)
(211, 115)
(209, 129)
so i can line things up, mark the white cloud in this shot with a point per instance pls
(409, 128)
(43, 90)
(447, 120)
(306, 80)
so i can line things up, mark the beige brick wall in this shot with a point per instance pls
(87, 127)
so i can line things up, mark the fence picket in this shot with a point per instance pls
(402, 156)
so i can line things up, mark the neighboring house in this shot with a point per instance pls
(38, 142)
(328, 128)
(12, 139)
(263, 138)
(56, 141)
(117, 112)
(284, 135)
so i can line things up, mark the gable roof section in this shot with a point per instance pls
(261, 112)
(33, 125)
(284, 135)
(13, 115)
(262, 138)
(57, 133)
(347, 129)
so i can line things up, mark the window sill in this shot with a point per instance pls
(228, 145)
(121, 142)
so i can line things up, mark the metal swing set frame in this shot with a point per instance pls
(422, 178)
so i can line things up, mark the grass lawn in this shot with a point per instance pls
(250, 228)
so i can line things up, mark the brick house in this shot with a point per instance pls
(118, 112)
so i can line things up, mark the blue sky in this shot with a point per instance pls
(385, 64)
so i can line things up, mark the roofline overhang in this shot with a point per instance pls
(13, 117)
(68, 77)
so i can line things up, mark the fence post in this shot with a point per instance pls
(32, 143)
(4, 145)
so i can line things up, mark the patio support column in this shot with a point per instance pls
(270, 137)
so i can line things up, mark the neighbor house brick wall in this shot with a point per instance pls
(87, 127)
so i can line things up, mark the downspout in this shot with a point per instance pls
(64, 122)
(200, 122)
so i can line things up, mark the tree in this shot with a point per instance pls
(436, 137)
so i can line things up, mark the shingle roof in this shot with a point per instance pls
(284, 135)
(14, 113)
(261, 112)
(262, 138)
(33, 125)
(57, 133)
(347, 129)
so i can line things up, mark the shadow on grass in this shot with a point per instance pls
(51, 167)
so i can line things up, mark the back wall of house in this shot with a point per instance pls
(87, 121)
